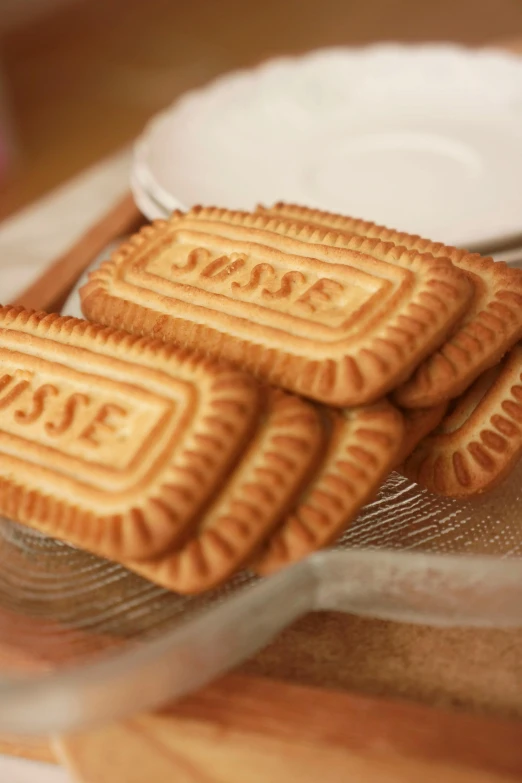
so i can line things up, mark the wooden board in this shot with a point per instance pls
(248, 730)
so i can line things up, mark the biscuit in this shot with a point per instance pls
(109, 441)
(342, 322)
(491, 326)
(418, 423)
(363, 448)
(274, 469)
(480, 439)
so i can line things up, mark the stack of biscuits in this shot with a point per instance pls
(246, 381)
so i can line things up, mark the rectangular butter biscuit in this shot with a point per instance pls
(479, 441)
(109, 441)
(492, 323)
(342, 322)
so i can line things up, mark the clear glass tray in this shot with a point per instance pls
(83, 640)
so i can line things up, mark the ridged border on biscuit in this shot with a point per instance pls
(162, 517)
(388, 357)
(475, 456)
(364, 448)
(492, 325)
(275, 467)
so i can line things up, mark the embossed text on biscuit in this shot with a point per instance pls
(247, 279)
(93, 429)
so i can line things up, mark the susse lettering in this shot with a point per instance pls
(29, 404)
(291, 287)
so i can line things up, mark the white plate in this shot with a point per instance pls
(145, 201)
(427, 139)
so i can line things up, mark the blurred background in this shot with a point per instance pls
(79, 78)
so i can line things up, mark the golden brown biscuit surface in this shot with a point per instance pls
(477, 443)
(273, 470)
(340, 321)
(491, 326)
(109, 441)
(363, 449)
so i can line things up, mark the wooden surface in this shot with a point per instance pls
(244, 730)
(83, 81)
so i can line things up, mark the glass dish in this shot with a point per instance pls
(83, 640)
